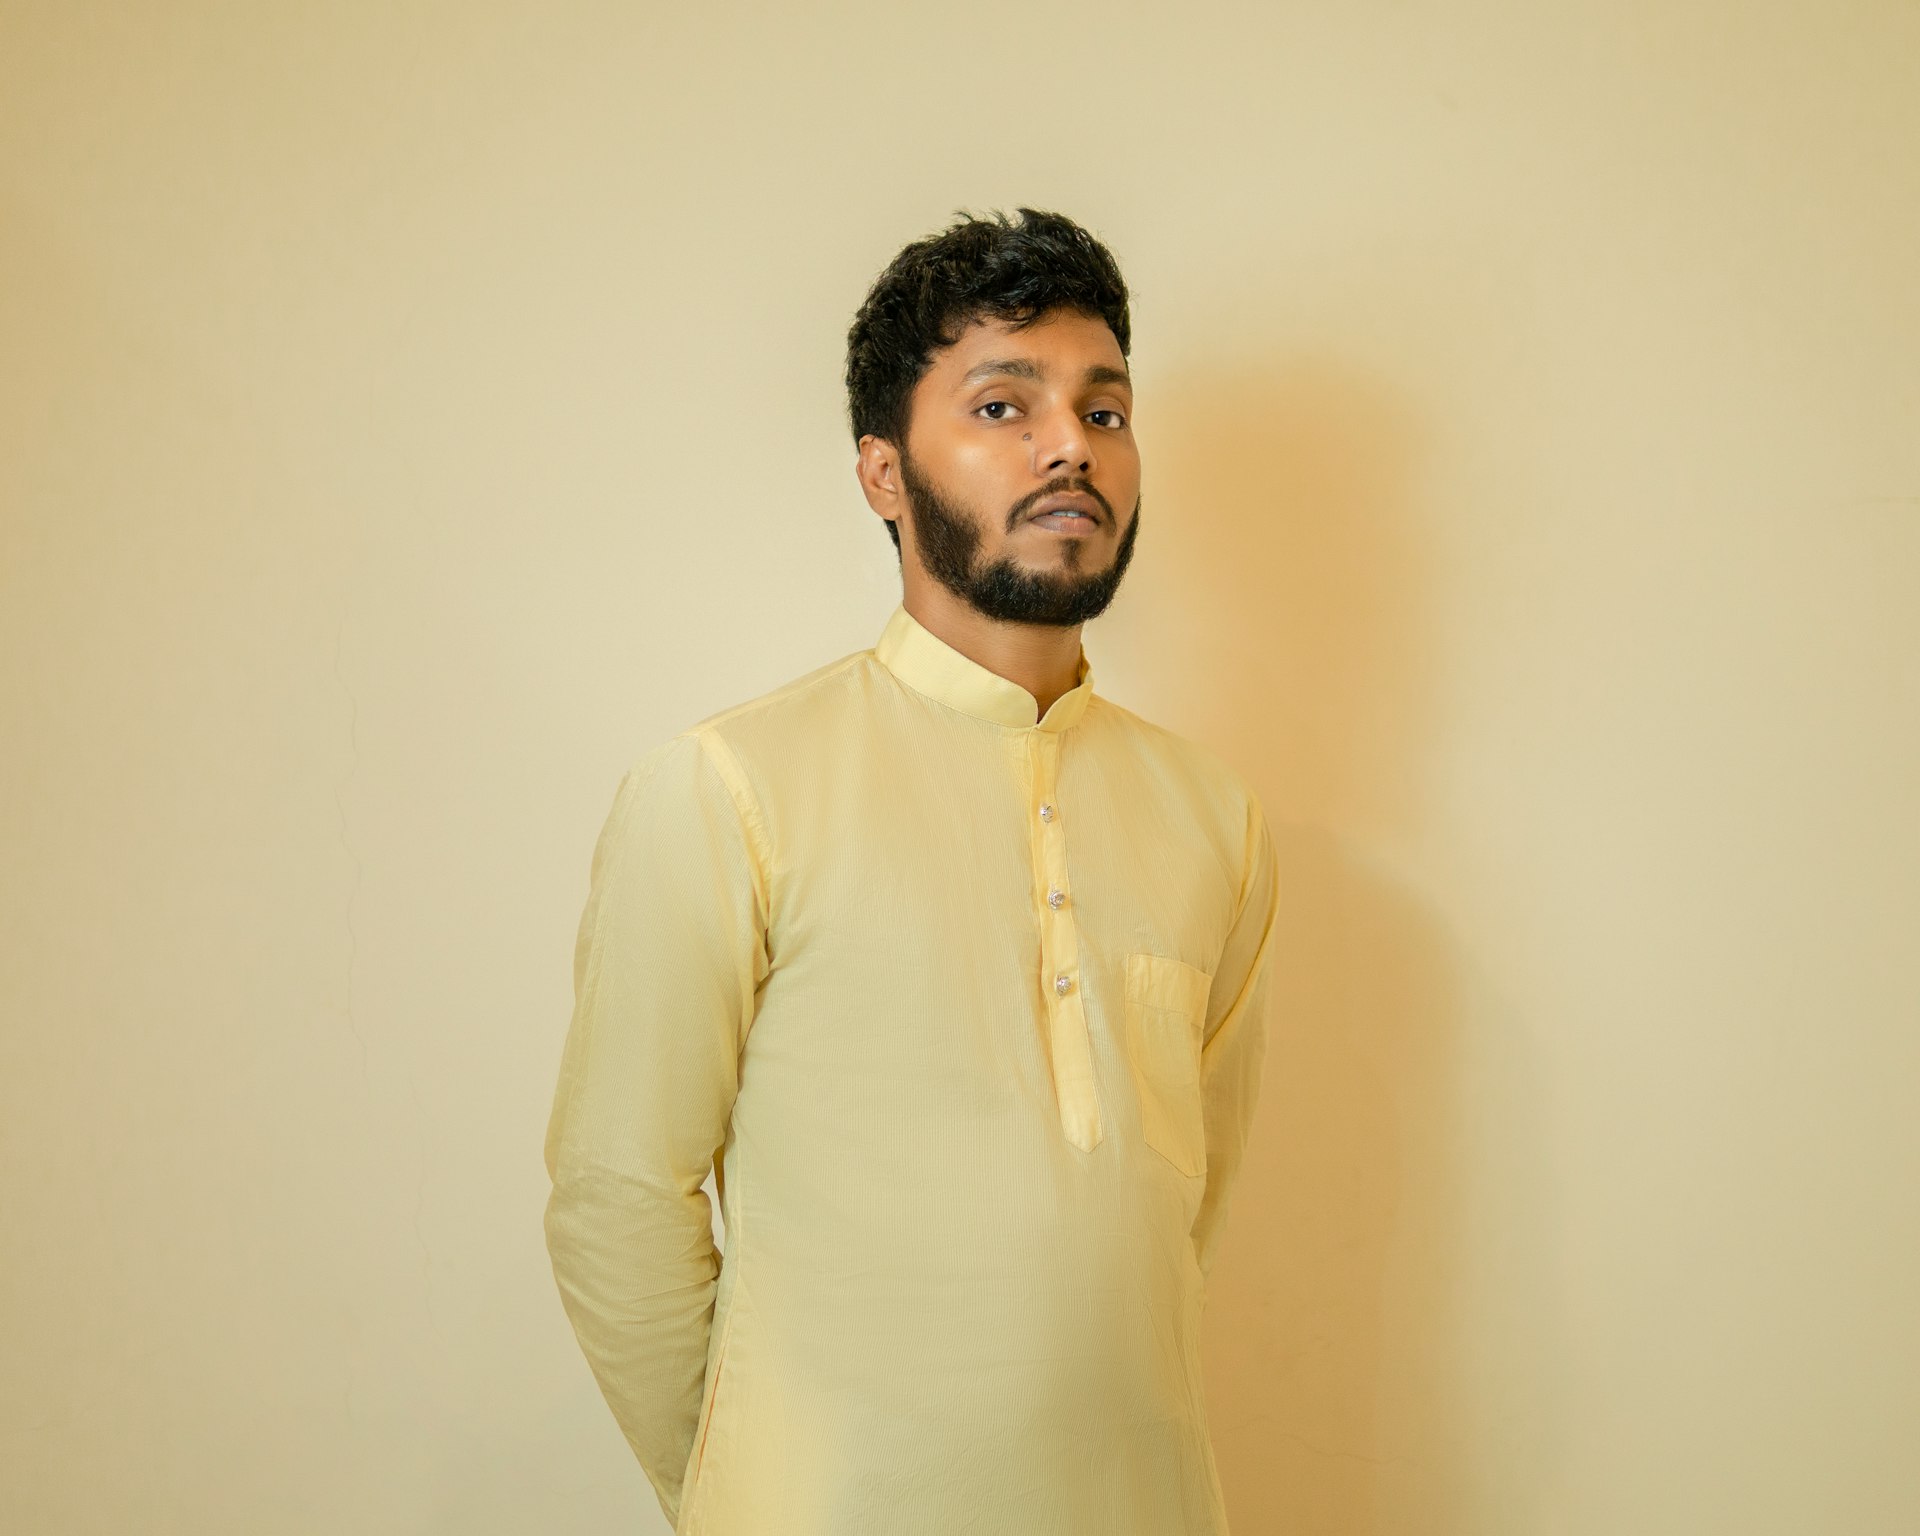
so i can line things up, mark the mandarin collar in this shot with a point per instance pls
(927, 664)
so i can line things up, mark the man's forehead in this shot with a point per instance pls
(1070, 343)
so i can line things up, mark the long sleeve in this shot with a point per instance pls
(668, 964)
(1235, 1040)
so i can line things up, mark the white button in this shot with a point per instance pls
(1046, 813)
(1060, 982)
(1056, 896)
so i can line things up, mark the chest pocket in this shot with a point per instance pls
(1166, 1012)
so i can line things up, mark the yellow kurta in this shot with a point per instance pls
(967, 1011)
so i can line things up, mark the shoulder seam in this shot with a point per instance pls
(817, 677)
(746, 806)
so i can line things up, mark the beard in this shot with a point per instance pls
(946, 541)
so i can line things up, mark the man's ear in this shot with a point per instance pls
(878, 470)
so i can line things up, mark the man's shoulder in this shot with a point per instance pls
(1184, 759)
(795, 702)
(774, 720)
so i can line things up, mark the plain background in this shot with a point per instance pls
(410, 413)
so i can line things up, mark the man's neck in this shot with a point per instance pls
(1044, 659)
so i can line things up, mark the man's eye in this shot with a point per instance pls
(1118, 419)
(995, 405)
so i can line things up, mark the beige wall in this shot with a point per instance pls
(410, 413)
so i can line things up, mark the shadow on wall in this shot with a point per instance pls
(1354, 1383)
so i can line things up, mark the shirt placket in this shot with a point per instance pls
(1068, 1047)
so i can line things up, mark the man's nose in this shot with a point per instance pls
(1062, 445)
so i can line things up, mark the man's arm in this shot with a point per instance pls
(670, 956)
(1236, 1032)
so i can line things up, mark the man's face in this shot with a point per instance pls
(1004, 422)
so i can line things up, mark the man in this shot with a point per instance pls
(951, 970)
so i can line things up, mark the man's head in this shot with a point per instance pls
(986, 379)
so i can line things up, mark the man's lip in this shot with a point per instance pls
(1068, 501)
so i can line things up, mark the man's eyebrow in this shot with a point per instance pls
(1026, 368)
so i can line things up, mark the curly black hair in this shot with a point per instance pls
(976, 268)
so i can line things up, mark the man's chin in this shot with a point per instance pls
(1022, 601)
